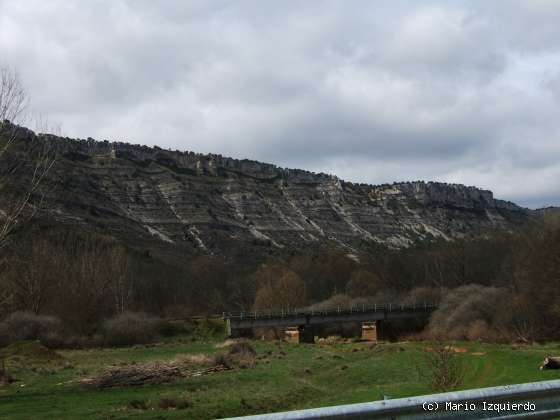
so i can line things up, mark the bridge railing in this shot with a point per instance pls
(340, 310)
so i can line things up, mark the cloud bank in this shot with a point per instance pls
(465, 92)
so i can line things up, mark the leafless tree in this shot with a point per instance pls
(13, 98)
(285, 292)
(30, 275)
(85, 277)
(6, 293)
(122, 285)
(442, 367)
(13, 103)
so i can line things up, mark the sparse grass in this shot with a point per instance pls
(285, 377)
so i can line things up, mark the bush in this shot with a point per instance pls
(238, 354)
(138, 404)
(478, 330)
(444, 370)
(78, 342)
(131, 328)
(53, 340)
(345, 302)
(21, 326)
(4, 336)
(5, 378)
(340, 300)
(420, 295)
(172, 403)
(208, 327)
(468, 312)
(172, 328)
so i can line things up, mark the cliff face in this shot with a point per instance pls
(209, 204)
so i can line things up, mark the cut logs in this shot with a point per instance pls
(551, 363)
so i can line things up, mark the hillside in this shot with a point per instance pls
(208, 204)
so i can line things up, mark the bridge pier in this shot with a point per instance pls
(369, 331)
(232, 332)
(228, 328)
(301, 334)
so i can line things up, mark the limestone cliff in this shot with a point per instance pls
(193, 203)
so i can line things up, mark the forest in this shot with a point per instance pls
(498, 287)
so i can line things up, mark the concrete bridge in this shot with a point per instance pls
(298, 323)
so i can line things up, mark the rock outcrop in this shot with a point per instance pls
(216, 205)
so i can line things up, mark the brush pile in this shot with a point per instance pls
(235, 355)
(134, 375)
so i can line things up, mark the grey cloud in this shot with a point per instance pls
(372, 91)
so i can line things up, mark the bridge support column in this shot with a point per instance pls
(301, 334)
(233, 332)
(240, 332)
(369, 331)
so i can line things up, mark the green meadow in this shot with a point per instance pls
(285, 377)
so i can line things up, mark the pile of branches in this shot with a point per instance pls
(134, 375)
(236, 355)
(146, 374)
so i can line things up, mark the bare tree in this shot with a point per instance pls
(13, 98)
(443, 369)
(363, 283)
(19, 202)
(13, 103)
(284, 292)
(122, 285)
(29, 277)
(6, 293)
(85, 276)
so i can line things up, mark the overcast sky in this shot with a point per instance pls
(371, 91)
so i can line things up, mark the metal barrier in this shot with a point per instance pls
(536, 400)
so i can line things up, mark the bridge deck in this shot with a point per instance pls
(300, 317)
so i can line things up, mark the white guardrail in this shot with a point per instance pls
(536, 400)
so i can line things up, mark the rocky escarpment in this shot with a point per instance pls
(546, 211)
(211, 204)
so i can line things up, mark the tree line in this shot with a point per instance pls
(504, 281)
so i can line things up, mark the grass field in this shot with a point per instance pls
(287, 376)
